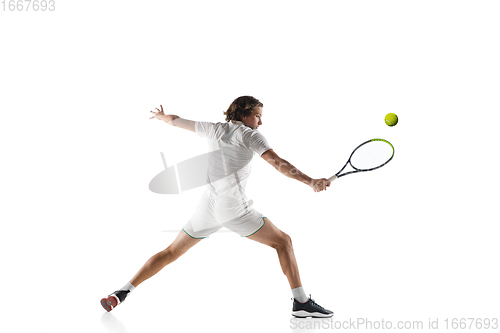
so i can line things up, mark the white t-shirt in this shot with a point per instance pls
(233, 145)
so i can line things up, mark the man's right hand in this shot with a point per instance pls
(319, 185)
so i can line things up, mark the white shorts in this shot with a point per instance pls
(214, 212)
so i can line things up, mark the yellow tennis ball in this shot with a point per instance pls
(391, 119)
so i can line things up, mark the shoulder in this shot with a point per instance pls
(251, 133)
(204, 126)
(209, 123)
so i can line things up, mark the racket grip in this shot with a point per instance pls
(332, 178)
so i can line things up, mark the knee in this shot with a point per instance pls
(285, 242)
(169, 251)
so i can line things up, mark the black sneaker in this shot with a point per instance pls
(309, 309)
(112, 301)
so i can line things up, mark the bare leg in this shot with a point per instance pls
(270, 235)
(179, 246)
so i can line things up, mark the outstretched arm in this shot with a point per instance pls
(174, 120)
(284, 167)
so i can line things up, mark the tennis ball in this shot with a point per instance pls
(391, 119)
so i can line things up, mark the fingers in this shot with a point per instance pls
(321, 184)
(160, 112)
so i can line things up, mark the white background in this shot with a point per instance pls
(417, 239)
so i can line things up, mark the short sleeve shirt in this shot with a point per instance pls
(234, 145)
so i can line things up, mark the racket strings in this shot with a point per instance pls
(371, 155)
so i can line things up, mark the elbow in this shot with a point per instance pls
(279, 163)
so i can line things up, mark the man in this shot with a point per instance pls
(224, 203)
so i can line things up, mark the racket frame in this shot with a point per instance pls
(338, 175)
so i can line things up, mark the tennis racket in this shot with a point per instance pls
(368, 156)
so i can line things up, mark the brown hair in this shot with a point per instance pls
(242, 107)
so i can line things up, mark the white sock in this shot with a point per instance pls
(128, 286)
(299, 294)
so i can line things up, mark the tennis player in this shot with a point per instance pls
(224, 203)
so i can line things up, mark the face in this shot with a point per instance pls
(255, 119)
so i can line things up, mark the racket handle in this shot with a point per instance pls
(332, 178)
